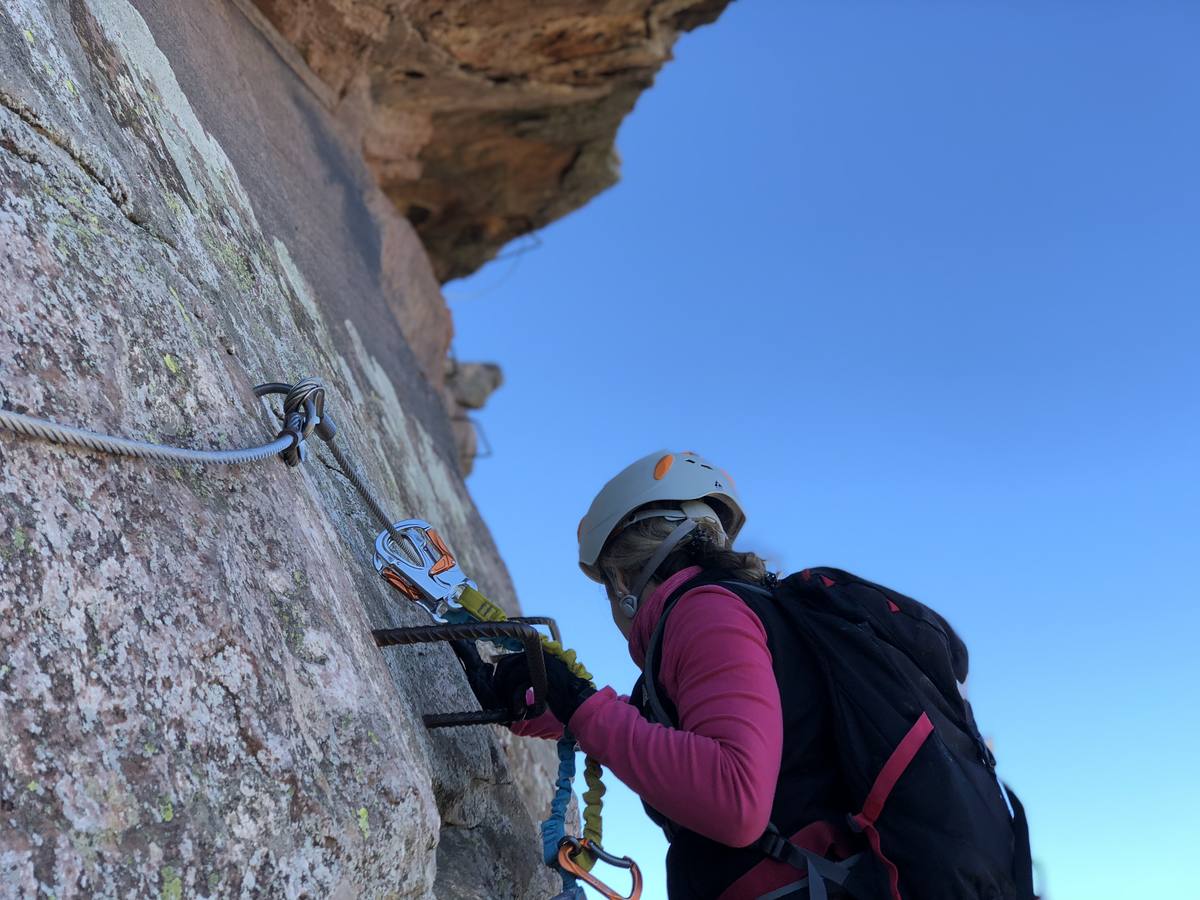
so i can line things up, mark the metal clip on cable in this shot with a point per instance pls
(569, 848)
(413, 559)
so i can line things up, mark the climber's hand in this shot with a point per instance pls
(479, 674)
(507, 684)
(512, 682)
(566, 691)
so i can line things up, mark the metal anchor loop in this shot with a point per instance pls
(303, 413)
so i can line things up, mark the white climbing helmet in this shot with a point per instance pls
(662, 476)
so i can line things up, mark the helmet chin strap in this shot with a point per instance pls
(629, 603)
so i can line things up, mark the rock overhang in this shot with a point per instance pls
(486, 121)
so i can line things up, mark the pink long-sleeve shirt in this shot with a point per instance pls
(715, 774)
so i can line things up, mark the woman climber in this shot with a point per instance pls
(803, 737)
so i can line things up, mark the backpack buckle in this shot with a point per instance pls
(774, 844)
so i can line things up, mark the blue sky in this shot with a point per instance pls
(924, 278)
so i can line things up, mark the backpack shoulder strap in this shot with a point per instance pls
(657, 703)
(1023, 858)
(654, 698)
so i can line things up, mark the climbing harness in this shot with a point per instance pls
(414, 560)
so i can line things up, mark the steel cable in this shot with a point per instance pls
(303, 413)
(106, 443)
(364, 490)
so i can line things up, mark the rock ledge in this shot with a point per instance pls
(485, 121)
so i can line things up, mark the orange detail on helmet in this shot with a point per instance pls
(663, 467)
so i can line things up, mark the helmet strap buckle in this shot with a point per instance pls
(630, 602)
(628, 605)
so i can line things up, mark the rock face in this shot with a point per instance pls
(484, 121)
(190, 701)
(191, 203)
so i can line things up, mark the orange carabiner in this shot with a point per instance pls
(569, 848)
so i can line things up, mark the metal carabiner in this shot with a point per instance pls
(570, 847)
(423, 569)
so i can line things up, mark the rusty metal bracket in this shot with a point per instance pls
(555, 634)
(474, 631)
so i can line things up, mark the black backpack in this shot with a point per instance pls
(939, 823)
